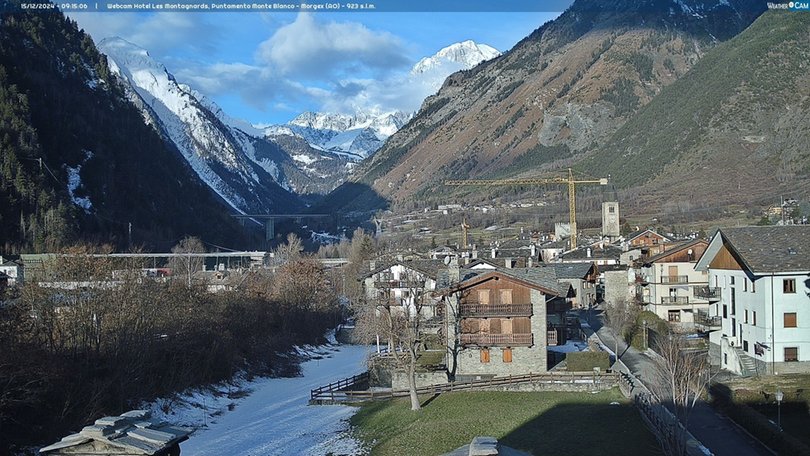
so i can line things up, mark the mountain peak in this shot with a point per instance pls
(465, 54)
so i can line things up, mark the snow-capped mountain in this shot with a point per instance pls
(251, 173)
(458, 56)
(354, 136)
(361, 134)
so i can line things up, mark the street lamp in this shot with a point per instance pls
(779, 396)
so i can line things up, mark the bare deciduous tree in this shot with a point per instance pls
(683, 377)
(185, 267)
(618, 316)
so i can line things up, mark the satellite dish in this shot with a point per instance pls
(447, 260)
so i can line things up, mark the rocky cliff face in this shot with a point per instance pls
(558, 94)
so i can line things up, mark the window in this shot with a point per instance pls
(674, 315)
(733, 327)
(745, 313)
(790, 320)
(745, 346)
(725, 358)
(507, 355)
(506, 296)
(725, 311)
(791, 354)
(612, 210)
(754, 317)
(733, 302)
(731, 280)
(484, 355)
(745, 283)
(789, 286)
(753, 287)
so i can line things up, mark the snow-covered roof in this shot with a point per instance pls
(133, 431)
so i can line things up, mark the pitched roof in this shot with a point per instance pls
(766, 249)
(430, 268)
(572, 270)
(540, 277)
(638, 233)
(133, 432)
(609, 251)
(677, 248)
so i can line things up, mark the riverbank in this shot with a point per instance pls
(270, 416)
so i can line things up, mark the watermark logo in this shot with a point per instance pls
(791, 6)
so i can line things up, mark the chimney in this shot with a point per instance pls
(372, 265)
(533, 249)
(588, 252)
(494, 252)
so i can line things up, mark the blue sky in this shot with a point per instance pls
(269, 67)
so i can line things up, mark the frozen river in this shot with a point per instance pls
(274, 419)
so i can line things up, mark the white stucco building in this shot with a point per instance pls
(760, 279)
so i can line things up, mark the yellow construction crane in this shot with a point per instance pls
(570, 181)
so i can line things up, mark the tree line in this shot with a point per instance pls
(98, 337)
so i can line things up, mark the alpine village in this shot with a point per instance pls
(594, 242)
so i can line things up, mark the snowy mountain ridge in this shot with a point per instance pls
(465, 54)
(362, 133)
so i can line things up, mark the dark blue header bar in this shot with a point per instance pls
(315, 6)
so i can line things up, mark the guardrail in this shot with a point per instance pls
(327, 395)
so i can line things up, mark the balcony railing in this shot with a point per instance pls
(707, 292)
(704, 319)
(675, 279)
(472, 309)
(494, 340)
(669, 300)
(382, 284)
(551, 337)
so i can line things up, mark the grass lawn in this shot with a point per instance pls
(759, 393)
(540, 423)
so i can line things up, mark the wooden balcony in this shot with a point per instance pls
(674, 279)
(674, 300)
(710, 293)
(472, 309)
(551, 337)
(408, 284)
(498, 340)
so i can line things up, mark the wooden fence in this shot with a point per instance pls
(339, 392)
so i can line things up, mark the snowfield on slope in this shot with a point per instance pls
(274, 418)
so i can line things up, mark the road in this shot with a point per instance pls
(714, 430)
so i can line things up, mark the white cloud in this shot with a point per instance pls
(162, 34)
(307, 48)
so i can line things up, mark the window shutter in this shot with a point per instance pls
(506, 296)
(484, 355)
(483, 296)
(507, 355)
(790, 320)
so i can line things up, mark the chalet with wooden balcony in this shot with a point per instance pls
(649, 242)
(583, 278)
(400, 282)
(499, 320)
(668, 284)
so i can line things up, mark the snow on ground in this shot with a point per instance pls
(570, 346)
(274, 418)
